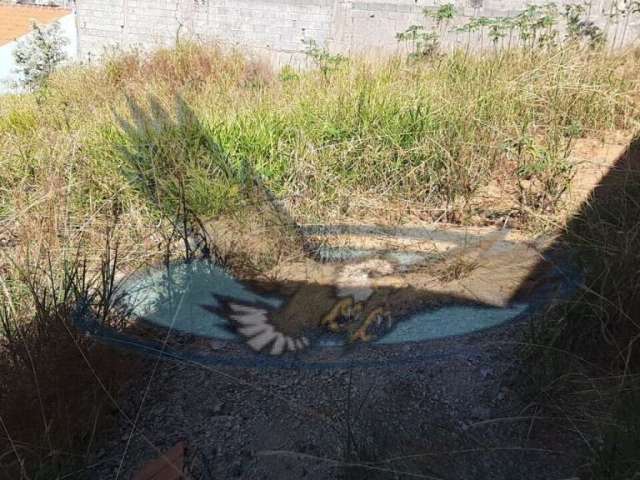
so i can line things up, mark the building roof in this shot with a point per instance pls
(16, 20)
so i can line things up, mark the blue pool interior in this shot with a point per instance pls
(174, 298)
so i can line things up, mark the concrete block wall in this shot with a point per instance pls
(276, 28)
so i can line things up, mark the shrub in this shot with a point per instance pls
(38, 55)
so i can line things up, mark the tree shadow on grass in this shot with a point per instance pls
(179, 166)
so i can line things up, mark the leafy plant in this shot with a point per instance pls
(443, 14)
(543, 173)
(580, 29)
(536, 25)
(324, 60)
(391, 137)
(498, 29)
(425, 43)
(288, 74)
(38, 55)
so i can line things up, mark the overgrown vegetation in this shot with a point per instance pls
(536, 27)
(425, 43)
(433, 135)
(585, 352)
(349, 139)
(57, 386)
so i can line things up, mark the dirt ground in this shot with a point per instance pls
(445, 409)
(451, 411)
(453, 408)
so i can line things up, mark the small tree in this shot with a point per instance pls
(580, 29)
(38, 55)
(323, 59)
(426, 43)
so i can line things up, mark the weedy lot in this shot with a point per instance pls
(113, 164)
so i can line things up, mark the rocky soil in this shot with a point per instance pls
(452, 411)
(458, 408)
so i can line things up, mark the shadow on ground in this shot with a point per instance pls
(450, 413)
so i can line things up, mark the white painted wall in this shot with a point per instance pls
(8, 74)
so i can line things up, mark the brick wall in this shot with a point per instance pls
(276, 28)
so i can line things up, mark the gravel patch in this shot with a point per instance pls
(447, 417)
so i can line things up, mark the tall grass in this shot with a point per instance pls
(431, 133)
(57, 386)
(586, 354)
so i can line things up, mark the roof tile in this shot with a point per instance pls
(16, 20)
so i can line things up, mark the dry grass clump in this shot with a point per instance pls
(602, 322)
(58, 388)
(585, 353)
(188, 65)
